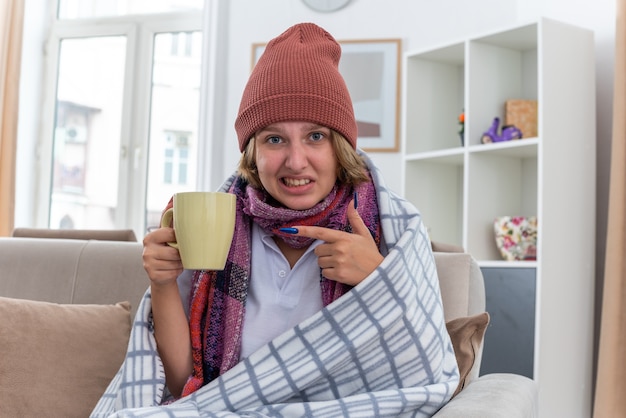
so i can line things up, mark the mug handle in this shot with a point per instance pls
(166, 222)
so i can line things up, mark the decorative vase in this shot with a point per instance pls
(516, 237)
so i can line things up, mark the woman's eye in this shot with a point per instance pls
(317, 136)
(274, 140)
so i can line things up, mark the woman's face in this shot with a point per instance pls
(296, 163)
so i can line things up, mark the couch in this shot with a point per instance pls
(85, 234)
(66, 307)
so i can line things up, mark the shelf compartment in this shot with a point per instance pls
(500, 183)
(436, 187)
(503, 66)
(434, 98)
(510, 338)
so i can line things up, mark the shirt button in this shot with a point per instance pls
(282, 273)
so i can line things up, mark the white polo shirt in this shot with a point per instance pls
(278, 297)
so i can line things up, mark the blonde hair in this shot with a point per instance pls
(351, 168)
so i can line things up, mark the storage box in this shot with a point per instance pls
(522, 114)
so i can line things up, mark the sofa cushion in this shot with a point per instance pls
(461, 283)
(57, 360)
(467, 338)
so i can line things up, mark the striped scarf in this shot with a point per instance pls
(217, 298)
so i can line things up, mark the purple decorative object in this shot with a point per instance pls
(508, 132)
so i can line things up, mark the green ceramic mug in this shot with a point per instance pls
(204, 223)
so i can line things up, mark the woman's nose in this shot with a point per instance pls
(296, 156)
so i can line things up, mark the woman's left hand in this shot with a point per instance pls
(345, 257)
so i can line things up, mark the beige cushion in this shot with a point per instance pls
(467, 338)
(57, 360)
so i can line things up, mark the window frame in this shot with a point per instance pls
(140, 32)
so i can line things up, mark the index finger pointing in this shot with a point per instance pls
(316, 232)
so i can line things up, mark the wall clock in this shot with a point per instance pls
(326, 5)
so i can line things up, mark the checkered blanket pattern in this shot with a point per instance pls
(381, 350)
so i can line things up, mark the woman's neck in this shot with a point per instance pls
(291, 254)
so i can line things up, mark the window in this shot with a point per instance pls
(120, 129)
(175, 165)
(181, 44)
(87, 140)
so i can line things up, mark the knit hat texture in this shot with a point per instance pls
(297, 79)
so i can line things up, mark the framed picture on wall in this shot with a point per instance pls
(371, 69)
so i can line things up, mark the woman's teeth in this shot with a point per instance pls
(296, 182)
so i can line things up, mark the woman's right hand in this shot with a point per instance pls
(161, 262)
(171, 329)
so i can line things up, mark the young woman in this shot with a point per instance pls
(329, 303)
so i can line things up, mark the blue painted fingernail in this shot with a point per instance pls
(356, 200)
(289, 230)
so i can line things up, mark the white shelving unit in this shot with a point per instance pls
(461, 186)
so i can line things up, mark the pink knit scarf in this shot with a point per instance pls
(217, 298)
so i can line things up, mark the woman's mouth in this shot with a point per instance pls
(295, 182)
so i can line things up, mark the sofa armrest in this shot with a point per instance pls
(494, 396)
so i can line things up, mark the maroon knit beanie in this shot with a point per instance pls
(297, 78)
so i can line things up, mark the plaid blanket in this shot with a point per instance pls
(380, 350)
